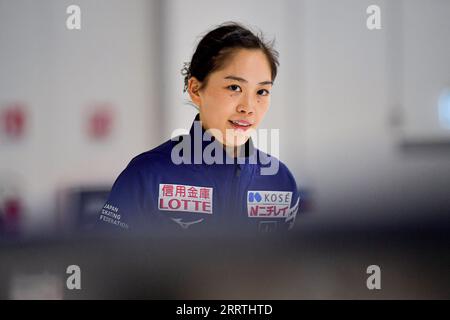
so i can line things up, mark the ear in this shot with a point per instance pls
(194, 91)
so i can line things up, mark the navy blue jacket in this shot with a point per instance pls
(173, 186)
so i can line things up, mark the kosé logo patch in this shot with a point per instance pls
(272, 204)
(177, 197)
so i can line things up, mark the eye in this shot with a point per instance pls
(234, 87)
(263, 92)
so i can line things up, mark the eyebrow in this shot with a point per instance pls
(243, 80)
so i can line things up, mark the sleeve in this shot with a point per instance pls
(295, 202)
(125, 201)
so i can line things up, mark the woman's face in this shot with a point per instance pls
(236, 97)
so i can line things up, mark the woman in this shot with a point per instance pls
(214, 177)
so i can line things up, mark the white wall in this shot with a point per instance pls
(425, 67)
(353, 151)
(58, 73)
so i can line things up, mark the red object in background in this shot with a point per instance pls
(11, 211)
(100, 121)
(14, 120)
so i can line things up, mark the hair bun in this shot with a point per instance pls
(186, 72)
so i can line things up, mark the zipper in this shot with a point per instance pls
(237, 171)
(236, 203)
(231, 208)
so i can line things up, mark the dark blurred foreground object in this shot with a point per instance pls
(327, 264)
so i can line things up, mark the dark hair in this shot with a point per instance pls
(218, 45)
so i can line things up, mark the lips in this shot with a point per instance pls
(240, 124)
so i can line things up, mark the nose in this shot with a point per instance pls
(246, 105)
